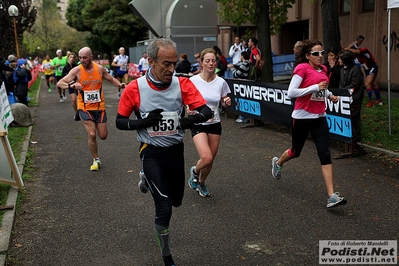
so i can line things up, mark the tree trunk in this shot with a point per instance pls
(330, 25)
(263, 26)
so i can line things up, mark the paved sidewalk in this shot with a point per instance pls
(77, 217)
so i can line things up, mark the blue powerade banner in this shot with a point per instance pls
(269, 102)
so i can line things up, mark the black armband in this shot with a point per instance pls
(205, 113)
(124, 123)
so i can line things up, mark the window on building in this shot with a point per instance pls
(368, 5)
(344, 6)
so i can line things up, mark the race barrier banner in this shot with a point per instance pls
(269, 102)
(35, 72)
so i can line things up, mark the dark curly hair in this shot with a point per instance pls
(307, 46)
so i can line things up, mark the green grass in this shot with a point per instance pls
(375, 125)
(33, 91)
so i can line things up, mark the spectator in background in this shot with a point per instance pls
(183, 66)
(22, 76)
(297, 52)
(297, 48)
(9, 67)
(235, 50)
(245, 46)
(5, 71)
(29, 64)
(36, 61)
(333, 68)
(241, 71)
(351, 80)
(356, 43)
(196, 68)
(143, 64)
(370, 67)
(255, 59)
(221, 66)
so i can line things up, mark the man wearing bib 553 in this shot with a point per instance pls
(158, 99)
(87, 80)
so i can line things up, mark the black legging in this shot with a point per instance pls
(319, 130)
(164, 170)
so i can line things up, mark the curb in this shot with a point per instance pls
(390, 153)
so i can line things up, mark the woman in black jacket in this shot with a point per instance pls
(184, 65)
(351, 80)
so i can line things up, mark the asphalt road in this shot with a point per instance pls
(71, 216)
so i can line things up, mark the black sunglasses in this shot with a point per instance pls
(317, 53)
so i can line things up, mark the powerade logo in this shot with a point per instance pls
(247, 106)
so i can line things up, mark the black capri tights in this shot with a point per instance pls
(318, 128)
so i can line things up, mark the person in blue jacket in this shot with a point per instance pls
(22, 76)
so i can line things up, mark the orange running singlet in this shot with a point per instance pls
(91, 97)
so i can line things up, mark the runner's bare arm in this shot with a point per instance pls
(110, 78)
(69, 81)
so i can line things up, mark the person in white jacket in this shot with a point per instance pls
(235, 50)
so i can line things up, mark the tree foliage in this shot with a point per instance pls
(50, 34)
(25, 20)
(266, 15)
(242, 11)
(111, 23)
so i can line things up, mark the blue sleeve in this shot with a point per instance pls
(140, 67)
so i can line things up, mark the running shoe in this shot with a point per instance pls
(76, 117)
(193, 180)
(49, 90)
(143, 186)
(63, 96)
(203, 191)
(96, 165)
(276, 169)
(335, 200)
(61, 100)
(370, 104)
(241, 119)
(378, 102)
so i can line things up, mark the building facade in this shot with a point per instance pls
(357, 17)
(62, 7)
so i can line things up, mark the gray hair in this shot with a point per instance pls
(153, 47)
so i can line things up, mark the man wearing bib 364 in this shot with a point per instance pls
(87, 80)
